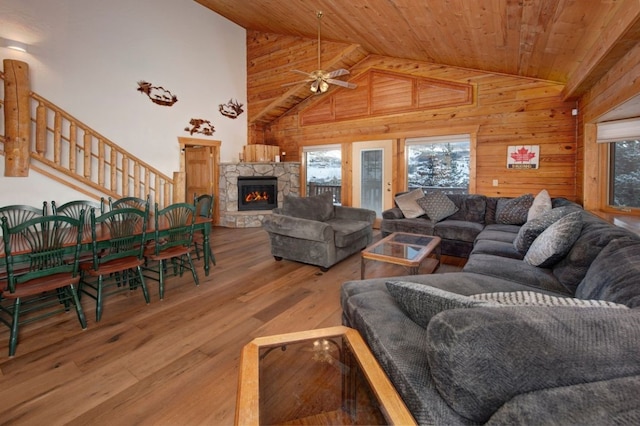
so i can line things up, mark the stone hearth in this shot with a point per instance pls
(288, 174)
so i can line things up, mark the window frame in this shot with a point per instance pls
(607, 134)
(303, 164)
(443, 139)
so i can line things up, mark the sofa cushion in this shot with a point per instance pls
(437, 206)
(349, 232)
(407, 203)
(496, 248)
(421, 302)
(499, 232)
(534, 298)
(515, 271)
(483, 357)
(555, 241)
(319, 207)
(471, 207)
(582, 404)
(614, 274)
(513, 211)
(533, 228)
(490, 212)
(541, 204)
(595, 235)
(457, 230)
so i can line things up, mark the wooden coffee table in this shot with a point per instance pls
(324, 376)
(403, 248)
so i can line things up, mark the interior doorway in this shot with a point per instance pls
(200, 166)
(372, 175)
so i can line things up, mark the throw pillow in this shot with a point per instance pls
(533, 298)
(481, 358)
(614, 273)
(555, 242)
(421, 302)
(541, 204)
(437, 206)
(533, 228)
(407, 203)
(318, 208)
(513, 211)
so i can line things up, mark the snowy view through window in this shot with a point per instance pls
(324, 167)
(443, 166)
(625, 174)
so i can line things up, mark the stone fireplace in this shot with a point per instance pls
(234, 176)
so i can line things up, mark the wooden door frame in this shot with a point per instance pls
(215, 150)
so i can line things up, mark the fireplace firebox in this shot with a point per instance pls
(257, 193)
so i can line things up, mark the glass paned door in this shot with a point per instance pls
(372, 175)
(371, 185)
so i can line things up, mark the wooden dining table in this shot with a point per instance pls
(202, 224)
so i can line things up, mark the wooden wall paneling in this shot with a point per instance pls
(508, 111)
(347, 175)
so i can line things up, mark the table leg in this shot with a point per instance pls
(205, 249)
(362, 260)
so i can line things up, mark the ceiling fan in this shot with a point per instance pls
(320, 79)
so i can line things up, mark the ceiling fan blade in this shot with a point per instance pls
(337, 73)
(297, 82)
(308, 74)
(342, 83)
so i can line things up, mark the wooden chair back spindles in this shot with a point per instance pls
(133, 202)
(17, 214)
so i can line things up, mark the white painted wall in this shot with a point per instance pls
(86, 56)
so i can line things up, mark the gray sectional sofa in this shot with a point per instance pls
(506, 342)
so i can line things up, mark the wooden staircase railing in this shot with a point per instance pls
(83, 159)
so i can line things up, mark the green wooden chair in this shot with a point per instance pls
(48, 284)
(204, 208)
(174, 227)
(117, 239)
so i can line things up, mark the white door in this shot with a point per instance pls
(372, 175)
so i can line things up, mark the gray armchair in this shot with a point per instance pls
(312, 230)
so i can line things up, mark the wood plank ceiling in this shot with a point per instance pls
(573, 42)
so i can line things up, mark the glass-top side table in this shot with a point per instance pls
(324, 376)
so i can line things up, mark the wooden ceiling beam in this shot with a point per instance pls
(615, 41)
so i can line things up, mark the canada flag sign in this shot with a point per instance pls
(523, 156)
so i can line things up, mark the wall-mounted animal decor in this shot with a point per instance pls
(198, 125)
(231, 109)
(158, 94)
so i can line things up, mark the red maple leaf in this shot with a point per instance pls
(523, 155)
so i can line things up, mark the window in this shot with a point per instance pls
(323, 170)
(439, 163)
(624, 174)
(623, 137)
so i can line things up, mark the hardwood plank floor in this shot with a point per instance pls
(173, 362)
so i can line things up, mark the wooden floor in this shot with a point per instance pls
(173, 362)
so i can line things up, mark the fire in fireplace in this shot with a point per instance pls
(257, 193)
